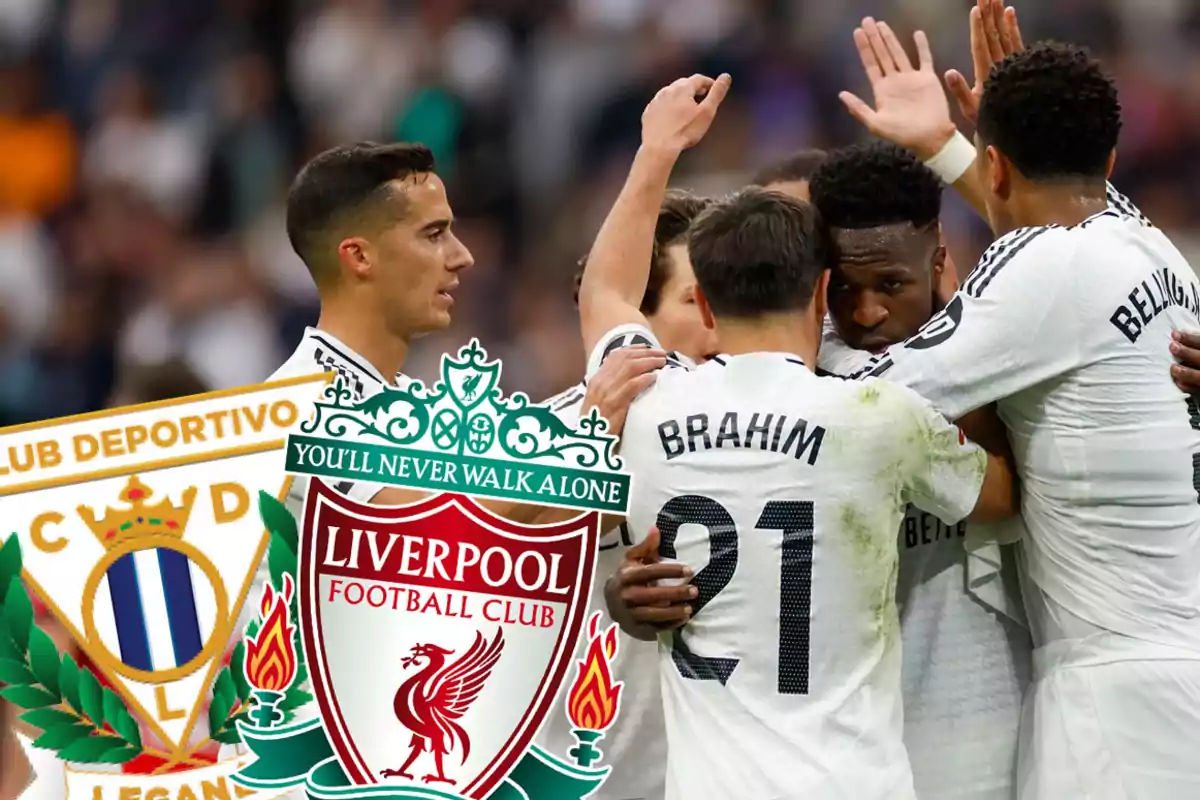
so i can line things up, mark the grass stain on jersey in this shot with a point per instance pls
(874, 554)
(869, 395)
(943, 447)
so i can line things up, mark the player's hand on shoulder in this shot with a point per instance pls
(1185, 347)
(647, 595)
(623, 375)
(681, 113)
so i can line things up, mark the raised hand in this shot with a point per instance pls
(995, 35)
(675, 120)
(911, 109)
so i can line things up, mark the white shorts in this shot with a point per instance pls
(1112, 730)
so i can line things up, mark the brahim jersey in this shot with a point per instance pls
(784, 492)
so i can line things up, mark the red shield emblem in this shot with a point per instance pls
(437, 635)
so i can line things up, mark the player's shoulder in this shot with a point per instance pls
(567, 404)
(302, 361)
(631, 335)
(1016, 257)
(1121, 206)
(877, 397)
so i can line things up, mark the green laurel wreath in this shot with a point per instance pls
(233, 697)
(80, 720)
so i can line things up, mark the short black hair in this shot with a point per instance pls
(799, 166)
(678, 210)
(1052, 111)
(758, 252)
(868, 185)
(343, 181)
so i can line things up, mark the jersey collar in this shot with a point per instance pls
(724, 358)
(340, 348)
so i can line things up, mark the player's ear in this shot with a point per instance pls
(356, 255)
(1112, 162)
(821, 295)
(999, 176)
(706, 314)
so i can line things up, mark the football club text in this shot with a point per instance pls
(441, 603)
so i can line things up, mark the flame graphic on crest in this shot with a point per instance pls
(271, 655)
(592, 701)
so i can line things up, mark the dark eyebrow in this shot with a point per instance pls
(437, 224)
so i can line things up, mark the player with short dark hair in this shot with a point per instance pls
(770, 483)
(882, 206)
(374, 227)
(1052, 112)
(758, 252)
(790, 174)
(1067, 322)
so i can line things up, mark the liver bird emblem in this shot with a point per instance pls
(430, 702)
(471, 385)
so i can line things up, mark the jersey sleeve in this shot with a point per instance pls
(1011, 326)
(944, 470)
(629, 335)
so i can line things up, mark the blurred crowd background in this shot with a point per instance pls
(146, 147)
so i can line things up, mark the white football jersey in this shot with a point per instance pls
(635, 746)
(784, 491)
(967, 662)
(319, 352)
(1068, 328)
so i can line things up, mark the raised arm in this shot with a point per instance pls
(618, 266)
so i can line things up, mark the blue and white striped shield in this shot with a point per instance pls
(155, 609)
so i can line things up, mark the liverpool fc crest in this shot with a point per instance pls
(437, 635)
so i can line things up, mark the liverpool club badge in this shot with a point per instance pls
(435, 636)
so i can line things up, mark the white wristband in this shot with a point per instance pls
(955, 158)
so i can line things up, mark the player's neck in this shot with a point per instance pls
(775, 333)
(1062, 204)
(366, 335)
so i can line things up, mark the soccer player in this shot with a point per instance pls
(967, 653)
(1067, 322)
(791, 174)
(783, 490)
(374, 227)
(636, 748)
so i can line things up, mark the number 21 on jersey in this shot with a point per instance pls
(795, 519)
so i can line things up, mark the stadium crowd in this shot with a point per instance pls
(145, 149)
